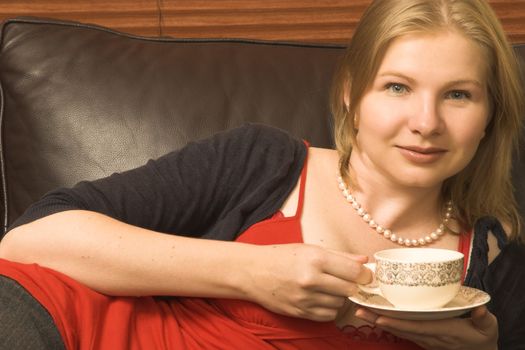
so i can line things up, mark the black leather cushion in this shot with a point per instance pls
(80, 101)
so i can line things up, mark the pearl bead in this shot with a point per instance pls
(388, 234)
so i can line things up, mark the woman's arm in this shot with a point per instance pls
(119, 259)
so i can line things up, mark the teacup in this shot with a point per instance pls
(416, 278)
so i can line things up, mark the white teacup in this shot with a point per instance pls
(416, 278)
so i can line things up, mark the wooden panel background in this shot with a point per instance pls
(328, 21)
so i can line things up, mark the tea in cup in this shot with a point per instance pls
(416, 278)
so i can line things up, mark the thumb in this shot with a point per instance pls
(482, 319)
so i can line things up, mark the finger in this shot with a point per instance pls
(364, 276)
(320, 314)
(366, 315)
(348, 267)
(371, 317)
(423, 340)
(416, 327)
(482, 319)
(332, 285)
(324, 300)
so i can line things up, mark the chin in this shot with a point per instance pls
(411, 180)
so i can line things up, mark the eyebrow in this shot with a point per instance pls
(466, 81)
(450, 83)
(396, 74)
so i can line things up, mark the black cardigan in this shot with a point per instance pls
(216, 188)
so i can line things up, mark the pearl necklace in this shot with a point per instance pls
(388, 234)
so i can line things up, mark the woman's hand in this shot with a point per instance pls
(479, 332)
(305, 281)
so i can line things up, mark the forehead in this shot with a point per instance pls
(441, 55)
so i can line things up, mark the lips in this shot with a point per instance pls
(424, 150)
(422, 155)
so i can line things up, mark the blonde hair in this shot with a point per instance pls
(483, 187)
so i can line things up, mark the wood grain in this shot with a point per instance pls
(326, 21)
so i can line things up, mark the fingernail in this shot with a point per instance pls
(365, 315)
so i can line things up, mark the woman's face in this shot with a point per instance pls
(422, 118)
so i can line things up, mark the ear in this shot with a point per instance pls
(346, 100)
(346, 95)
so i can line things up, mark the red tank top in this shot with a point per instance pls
(90, 320)
(309, 334)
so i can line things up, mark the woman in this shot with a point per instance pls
(422, 101)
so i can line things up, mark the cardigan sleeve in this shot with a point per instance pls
(503, 279)
(213, 188)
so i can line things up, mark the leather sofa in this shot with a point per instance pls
(80, 101)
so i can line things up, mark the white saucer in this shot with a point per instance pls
(467, 299)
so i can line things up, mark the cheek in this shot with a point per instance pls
(373, 112)
(377, 118)
(468, 139)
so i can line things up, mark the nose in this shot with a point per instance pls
(426, 119)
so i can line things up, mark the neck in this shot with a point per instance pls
(405, 209)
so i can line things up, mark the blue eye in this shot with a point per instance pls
(396, 88)
(458, 95)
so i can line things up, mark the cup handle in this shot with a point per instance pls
(372, 287)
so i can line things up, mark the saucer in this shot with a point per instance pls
(466, 299)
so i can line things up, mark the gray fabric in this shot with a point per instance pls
(24, 323)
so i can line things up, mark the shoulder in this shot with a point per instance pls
(491, 235)
(488, 250)
(247, 144)
(252, 140)
(497, 237)
(323, 154)
(263, 143)
(321, 168)
(494, 250)
(322, 162)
